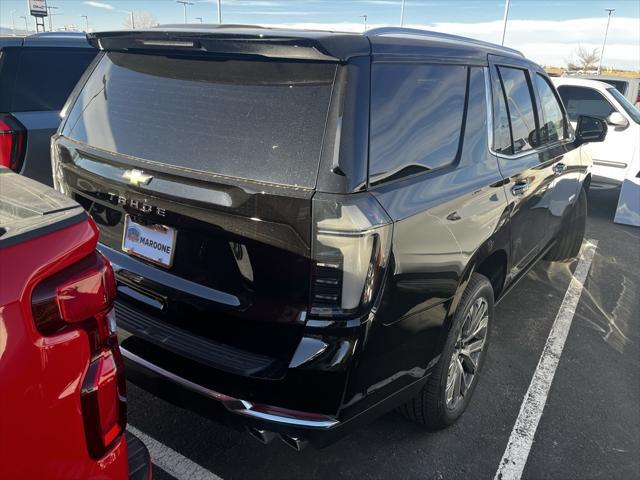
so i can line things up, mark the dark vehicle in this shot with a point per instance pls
(61, 372)
(311, 228)
(37, 74)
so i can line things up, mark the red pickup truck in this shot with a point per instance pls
(62, 384)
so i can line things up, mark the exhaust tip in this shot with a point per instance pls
(263, 436)
(298, 444)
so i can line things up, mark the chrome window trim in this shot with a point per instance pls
(489, 100)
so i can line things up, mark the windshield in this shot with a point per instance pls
(624, 103)
(249, 119)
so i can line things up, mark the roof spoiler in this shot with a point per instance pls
(218, 41)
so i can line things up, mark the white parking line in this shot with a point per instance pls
(171, 461)
(517, 452)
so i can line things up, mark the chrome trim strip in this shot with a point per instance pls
(489, 100)
(234, 405)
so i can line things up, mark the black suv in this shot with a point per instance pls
(37, 74)
(312, 228)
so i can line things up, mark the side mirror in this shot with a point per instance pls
(590, 130)
(616, 119)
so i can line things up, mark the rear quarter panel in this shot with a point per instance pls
(445, 222)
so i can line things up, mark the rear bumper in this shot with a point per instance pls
(318, 430)
(138, 458)
(237, 413)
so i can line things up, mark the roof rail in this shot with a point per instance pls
(414, 32)
(62, 33)
(196, 26)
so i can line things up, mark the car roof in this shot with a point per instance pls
(47, 39)
(610, 77)
(310, 44)
(581, 82)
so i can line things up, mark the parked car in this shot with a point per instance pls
(627, 86)
(61, 373)
(37, 74)
(310, 229)
(619, 155)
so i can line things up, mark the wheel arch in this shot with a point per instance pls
(490, 260)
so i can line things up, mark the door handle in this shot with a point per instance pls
(519, 188)
(559, 167)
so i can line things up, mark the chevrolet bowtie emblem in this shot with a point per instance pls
(137, 177)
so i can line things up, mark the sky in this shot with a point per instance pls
(547, 31)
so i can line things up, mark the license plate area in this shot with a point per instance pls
(154, 243)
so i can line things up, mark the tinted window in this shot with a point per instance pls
(620, 85)
(552, 127)
(584, 101)
(255, 120)
(46, 76)
(416, 118)
(502, 130)
(520, 108)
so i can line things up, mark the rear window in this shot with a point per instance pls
(45, 77)
(620, 85)
(257, 120)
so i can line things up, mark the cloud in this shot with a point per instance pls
(546, 42)
(105, 6)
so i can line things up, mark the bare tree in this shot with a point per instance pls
(584, 59)
(141, 19)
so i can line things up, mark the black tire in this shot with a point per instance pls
(571, 234)
(430, 407)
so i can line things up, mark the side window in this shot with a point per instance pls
(552, 124)
(416, 118)
(46, 76)
(520, 108)
(584, 101)
(501, 127)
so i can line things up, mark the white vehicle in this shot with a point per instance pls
(618, 157)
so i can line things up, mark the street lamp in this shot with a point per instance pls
(13, 22)
(504, 22)
(133, 21)
(86, 19)
(184, 5)
(49, 8)
(365, 21)
(26, 27)
(199, 18)
(609, 11)
(402, 14)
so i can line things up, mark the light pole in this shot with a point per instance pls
(26, 27)
(199, 18)
(219, 12)
(133, 21)
(609, 11)
(86, 19)
(13, 22)
(365, 21)
(49, 8)
(504, 22)
(402, 13)
(184, 5)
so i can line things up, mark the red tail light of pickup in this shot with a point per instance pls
(81, 297)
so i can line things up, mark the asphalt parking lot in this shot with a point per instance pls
(590, 426)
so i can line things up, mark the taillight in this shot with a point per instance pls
(82, 296)
(351, 249)
(13, 138)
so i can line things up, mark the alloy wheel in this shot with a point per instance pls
(467, 352)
